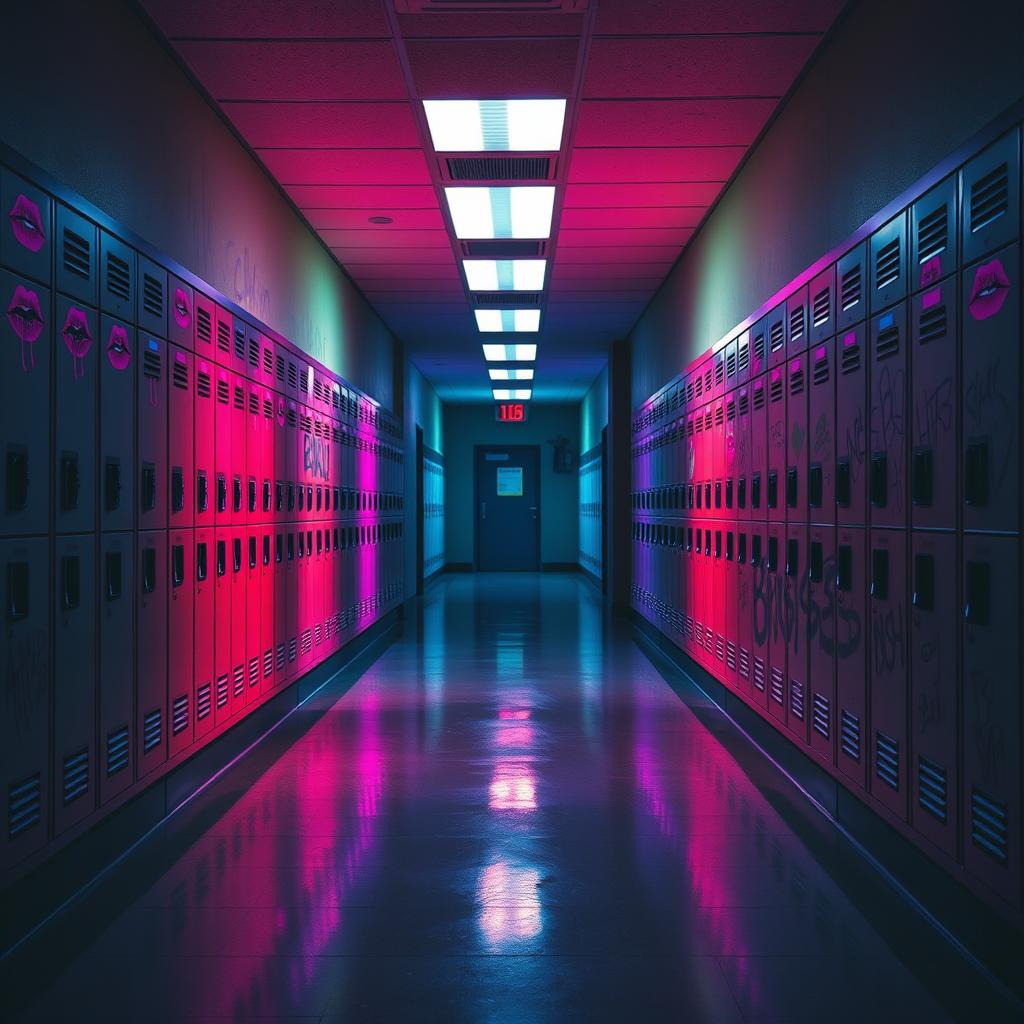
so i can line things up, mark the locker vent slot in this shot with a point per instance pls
(268, 362)
(743, 359)
(223, 392)
(850, 359)
(306, 641)
(887, 760)
(304, 382)
(932, 324)
(279, 368)
(758, 398)
(931, 787)
(204, 325)
(316, 634)
(796, 699)
(254, 352)
(719, 648)
(203, 702)
(744, 663)
(254, 403)
(77, 254)
(254, 671)
(730, 411)
(238, 678)
(777, 693)
(719, 373)
(24, 805)
(730, 655)
(744, 403)
(117, 751)
(499, 168)
(268, 409)
(179, 714)
(239, 398)
(730, 364)
(719, 415)
(759, 678)
(152, 730)
(76, 776)
(776, 336)
(796, 382)
(119, 281)
(851, 285)
(280, 657)
(776, 389)
(821, 374)
(821, 717)
(152, 295)
(293, 376)
(240, 343)
(180, 375)
(989, 198)
(887, 264)
(888, 343)
(203, 384)
(822, 309)
(796, 323)
(291, 649)
(990, 825)
(268, 662)
(932, 234)
(849, 734)
(222, 691)
(151, 365)
(223, 336)
(759, 347)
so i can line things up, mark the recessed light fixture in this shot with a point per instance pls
(510, 353)
(519, 211)
(512, 394)
(508, 321)
(505, 275)
(469, 126)
(497, 373)
(380, 220)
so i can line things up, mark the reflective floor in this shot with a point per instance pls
(512, 815)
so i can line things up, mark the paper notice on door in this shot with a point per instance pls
(510, 481)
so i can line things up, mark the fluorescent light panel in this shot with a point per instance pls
(515, 321)
(505, 275)
(501, 374)
(472, 126)
(510, 353)
(512, 394)
(517, 211)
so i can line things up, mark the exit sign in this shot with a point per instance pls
(511, 412)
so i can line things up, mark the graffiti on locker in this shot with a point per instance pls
(316, 457)
(26, 319)
(182, 309)
(119, 353)
(251, 291)
(988, 291)
(77, 339)
(27, 223)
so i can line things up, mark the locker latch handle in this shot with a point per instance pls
(977, 587)
(291, 497)
(728, 493)
(69, 481)
(177, 564)
(814, 485)
(201, 565)
(976, 474)
(309, 497)
(879, 479)
(236, 494)
(252, 552)
(222, 558)
(921, 484)
(741, 492)
(148, 487)
(222, 493)
(755, 491)
(773, 554)
(816, 567)
(252, 494)
(843, 491)
(112, 485)
(148, 570)
(112, 574)
(70, 568)
(236, 554)
(17, 479)
(202, 491)
(880, 574)
(266, 549)
(278, 496)
(718, 494)
(755, 550)
(791, 487)
(924, 583)
(773, 490)
(177, 489)
(319, 497)
(17, 591)
(266, 495)
(844, 568)
(792, 557)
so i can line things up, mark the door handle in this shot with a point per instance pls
(483, 509)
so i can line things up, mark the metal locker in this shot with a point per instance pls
(797, 323)
(204, 341)
(328, 595)
(887, 589)
(797, 439)
(716, 603)
(718, 373)
(253, 615)
(757, 491)
(730, 511)
(851, 655)
(991, 393)
(239, 452)
(253, 355)
(223, 706)
(181, 328)
(181, 440)
(74, 677)
(934, 659)
(990, 187)
(934, 407)
(26, 341)
(991, 713)
(253, 478)
(25, 722)
(934, 227)
(292, 461)
(204, 576)
(26, 242)
(851, 437)
(267, 436)
(304, 600)
(77, 372)
(318, 590)
(760, 613)
(775, 327)
(181, 641)
(778, 620)
(152, 298)
(822, 306)
(741, 461)
(744, 613)
(204, 476)
(291, 569)
(887, 466)
(151, 653)
(117, 425)
(239, 606)
(282, 579)
(727, 607)
(887, 253)
(77, 275)
(224, 328)
(759, 348)
(117, 278)
(116, 611)
(851, 288)
(731, 365)
(775, 488)
(272, 366)
(743, 358)
(152, 476)
(239, 334)
(223, 461)
(821, 454)
(820, 610)
(718, 457)
(280, 460)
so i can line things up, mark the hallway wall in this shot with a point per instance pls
(593, 420)
(423, 409)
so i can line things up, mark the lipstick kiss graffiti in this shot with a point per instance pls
(119, 353)
(77, 339)
(989, 290)
(27, 224)
(26, 319)
(182, 309)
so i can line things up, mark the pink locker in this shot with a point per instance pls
(151, 400)
(267, 609)
(151, 653)
(744, 613)
(889, 669)
(822, 306)
(991, 713)
(181, 314)
(204, 605)
(281, 581)
(223, 329)
(718, 373)
(821, 640)
(253, 454)
(181, 438)
(775, 328)
(304, 601)
(77, 373)
(25, 723)
(743, 358)
(117, 425)
(851, 428)
(181, 641)
(851, 289)
(303, 456)
(222, 664)
(74, 677)
(239, 575)
(991, 392)
(320, 469)
(699, 463)
(708, 459)
(731, 365)
(851, 654)
(796, 323)
(760, 613)
(223, 430)
(887, 466)
(759, 348)
(204, 448)
(239, 452)
(239, 362)
(253, 355)
(328, 594)
(319, 577)
(280, 459)
(716, 603)
(775, 609)
(205, 321)
(797, 439)
(775, 496)
(758, 449)
(718, 459)
(821, 454)
(934, 409)
(268, 427)
(268, 375)
(291, 568)
(934, 659)
(934, 225)
(701, 592)
(292, 457)
(253, 614)
(729, 510)
(26, 239)
(117, 662)
(741, 464)
(794, 619)
(728, 605)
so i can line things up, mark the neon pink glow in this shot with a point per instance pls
(510, 906)
(513, 786)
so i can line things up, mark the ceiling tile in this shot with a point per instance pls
(358, 219)
(632, 217)
(353, 166)
(339, 125)
(666, 17)
(465, 24)
(267, 19)
(686, 163)
(671, 122)
(376, 238)
(389, 256)
(644, 194)
(619, 254)
(676, 237)
(363, 197)
(366, 273)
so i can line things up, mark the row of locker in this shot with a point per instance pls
(433, 514)
(590, 501)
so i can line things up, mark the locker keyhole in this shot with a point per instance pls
(17, 591)
(17, 479)
(921, 485)
(112, 485)
(976, 474)
(924, 583)
(69, 481)
(879, 480)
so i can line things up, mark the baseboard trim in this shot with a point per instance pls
(561, 567)
(458, 567)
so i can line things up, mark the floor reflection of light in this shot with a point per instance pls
(513, 787)
(509, 898)
(514, 736)
(514, 714)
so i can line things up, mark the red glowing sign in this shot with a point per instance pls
(511, 412)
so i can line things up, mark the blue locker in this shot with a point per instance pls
(117, 278)
(851, 288)
(151, 653)
(822, 306)
(151, 304)
(116, 612)
(181, 327)
(887, 253)
(26, 241)
(76, 263)
(990, 187)
(151, 402)
(887, 469)
(934, 234)
(117, 424)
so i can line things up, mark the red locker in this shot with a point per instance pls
(821, 640)
(292, 456)
(205, 622)
(25, 723)
(889, 669)
(281, 582)
(117, 426)
(797, 439)
(991, 713)
(77, 372)
(822, 298)
(291, 569)
(794, 620)
(851, 660)
(851, 289)
(26, 239)
(774, 495)
(775, 609)
(887, 468)
(758, 449)
(253, 476)
(267, 609)
(821, 453)
(934, 226)
(741, 464)
(181, 641)
(760, 613)
(797, 322)
(239, 606)
(151, 653)
(934, 659)
(991, 396)
(776, 334)
(223, 706)
(727, 606)
(204, 447)
(744, 613)
(224, 329)
(318, 592)
(708, 459)
(718, 459)
(223, 430)
(26, 342)
(851, 428)
(181, 438)
(729, 509)
(239, 452)
(181, 328)
(304, 602)
(74, 675)
(887, 252)
(716, 602)
(152, 475)
(117, 662)
(700, 454)
(253, 614)
(328, 594)
(280, 460)
(205, 323)
(934, 409)
(268, 433)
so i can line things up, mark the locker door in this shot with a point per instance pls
(991, 713)
(204, 340)
(934, 658)
(205, 624)
(77, 372)
(729, 509)
(303, 572)
(253, 355)
(204, 480)
(253, 614)
(239, 647)
(796, 323)
(716, 601)
(224, 329)
(238, 346)
(318, 595)
(933, 234)
(708, 460)
(253, 478)
(280, 461)
(181, 640)
(152, 473)
(181, 440)
(151, 653)
(934, 411)
(888, 262)
(760, 613)
(152, 298)
(820, 608)
(743, 452)
(267, 609)
(797, 439)
(181, 321)
(776, 334)
(794, 621)
(758, 489)
(223, 432)
(699, 463)
(117, 426)
(731, 365)
(990, 186)
(775, 599)
(718, 448)
(222, 665)
(718, 373)
(775, 496)
(851, 428)
(887, 467)
(728, 604)
(851, 285)
(281, 582)
(822, 297)
(744, 613)
(117, 662)
(743, 358)
(851, 660)
(291, 569)
(889, 670)
(77, 275)
(991, 397)
(267, 434)
(117, 278)
(26, 341)
(74, 675)
(26, 242)
(25, 723)
(821, 492)
(239, 452)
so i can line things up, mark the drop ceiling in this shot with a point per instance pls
(664, 99)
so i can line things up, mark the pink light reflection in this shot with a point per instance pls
(514, 714)
(509, 903)
(513, 787)
(515, 736)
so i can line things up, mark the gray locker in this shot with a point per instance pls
(181, 328)
(116, 611)
(117, 278)
(151, 401)
(181, 641)
(76, 262)
(887, 252)
(151, 653)
(934, 231)
(117, 425)
(887, 467)
(151, 305)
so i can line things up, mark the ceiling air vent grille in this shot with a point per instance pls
(511, 167)
(490, 6)
(506, 298)
(504, 248)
